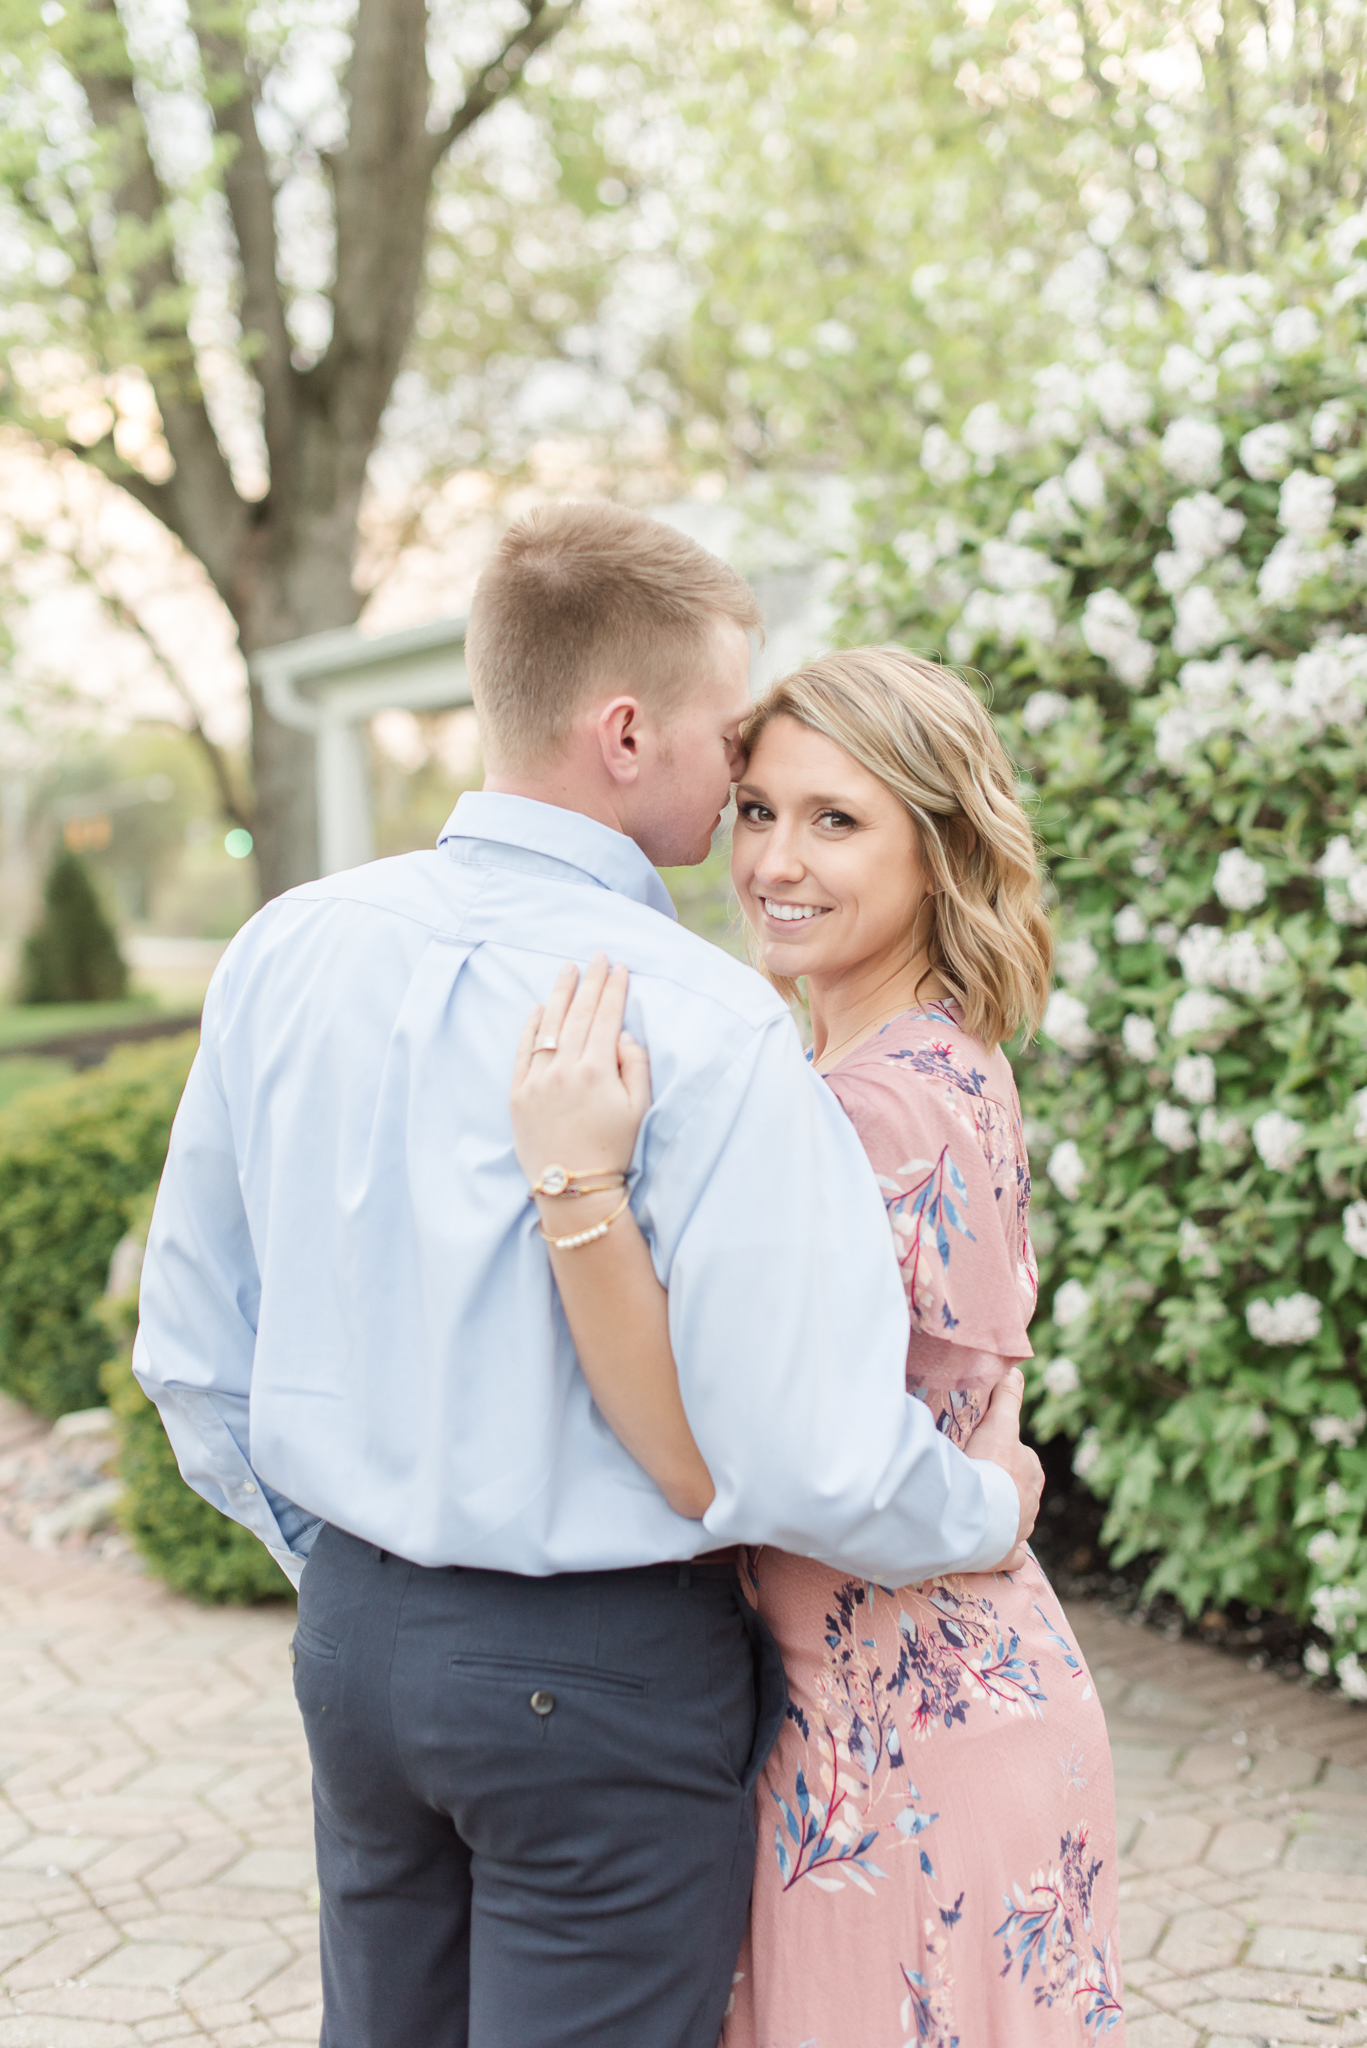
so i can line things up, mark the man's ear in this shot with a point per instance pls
(619, 729)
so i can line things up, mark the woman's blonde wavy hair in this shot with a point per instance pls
(921, 730)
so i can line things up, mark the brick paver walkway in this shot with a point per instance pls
(156, 1880)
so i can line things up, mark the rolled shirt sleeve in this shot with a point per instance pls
(789, 1325)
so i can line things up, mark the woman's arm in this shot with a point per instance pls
(577, 1103)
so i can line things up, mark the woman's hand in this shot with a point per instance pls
(581, 1084)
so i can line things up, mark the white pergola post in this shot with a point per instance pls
(330, 685)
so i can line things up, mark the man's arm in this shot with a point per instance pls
(789, 1325)
(197, 1307)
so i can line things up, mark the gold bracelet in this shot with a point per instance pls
(562, 1180)
(572, 1244)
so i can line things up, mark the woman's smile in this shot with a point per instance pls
(792, 913)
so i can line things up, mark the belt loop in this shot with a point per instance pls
(686, 1573)
(378, 1554)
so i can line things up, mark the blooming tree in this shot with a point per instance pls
(1163, 569)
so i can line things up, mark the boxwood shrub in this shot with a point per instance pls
(75, 1155)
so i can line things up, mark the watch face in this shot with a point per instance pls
(555, 1180)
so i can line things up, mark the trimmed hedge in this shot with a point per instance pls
(75, 1157)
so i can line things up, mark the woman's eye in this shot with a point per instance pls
(756, 814)
(841, 820)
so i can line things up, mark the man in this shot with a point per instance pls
(535, 1722)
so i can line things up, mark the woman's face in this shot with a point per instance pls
(824, 859)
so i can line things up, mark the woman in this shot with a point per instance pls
(939, 1807)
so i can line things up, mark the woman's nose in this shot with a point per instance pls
(780, 859)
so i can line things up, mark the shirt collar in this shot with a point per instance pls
(609, 858)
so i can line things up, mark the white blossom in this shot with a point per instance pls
(1248, 958)
(1129, 927)
(1257, 1426)
(942, 459)
(1088, 1452)
(1294, 331)
(1007, 567)
(1329, 423)
(1042, 709)
(1072, 1303)
(1111, 631)
(1066, 1022)
(1344, 874)
(1200, 525)
(1059, 399)
(1292, 1319)
(1193, 1076)
(1166, 933)
(1329, 682)
(1200, 952)
(1337, 1500)
(1195, 1248)
(1118, 395)
(1278, 1140)
(1355, 1228)
(1225, 1131)
(1201, 622)
(1351, 1676)
(1139, 1036)
(1343, 1430)
(835, 338)
(1078, 960)
(1052, 506)
(1316, 1661)
(1084, 482)
(1187, 375)
(1012, 616)
(1240, 882)
(1193, 450)
(987, 435)
(1285, 570)
(1324, 1550)
(1061, 1377)
(1175, 570)
(1197, 1012)
(1266, 452)
(1360, 1117)
(1305, 504)
(1067, 1169)
(1172, 1126)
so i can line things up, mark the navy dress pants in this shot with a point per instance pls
(533, 1798)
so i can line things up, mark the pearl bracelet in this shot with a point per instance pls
(572, 1244)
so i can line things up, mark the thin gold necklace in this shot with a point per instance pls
(866, 1030)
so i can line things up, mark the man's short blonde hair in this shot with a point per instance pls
(584, 595)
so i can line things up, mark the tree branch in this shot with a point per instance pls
(250, 194)
(503, 74)
(209, 511)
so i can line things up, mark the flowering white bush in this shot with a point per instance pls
(1190, 734)
(1067, 1169)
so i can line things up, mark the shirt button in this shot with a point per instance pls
(249, 1486)
(542, 1703)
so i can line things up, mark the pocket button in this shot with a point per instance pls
(542, 1703)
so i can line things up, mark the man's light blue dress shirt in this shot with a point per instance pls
(348, 1314)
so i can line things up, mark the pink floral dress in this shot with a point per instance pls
(937, 1863)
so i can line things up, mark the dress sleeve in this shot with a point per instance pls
(948, 1172)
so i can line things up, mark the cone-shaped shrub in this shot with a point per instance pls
(72, 954)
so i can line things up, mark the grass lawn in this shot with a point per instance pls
(29, 1024)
